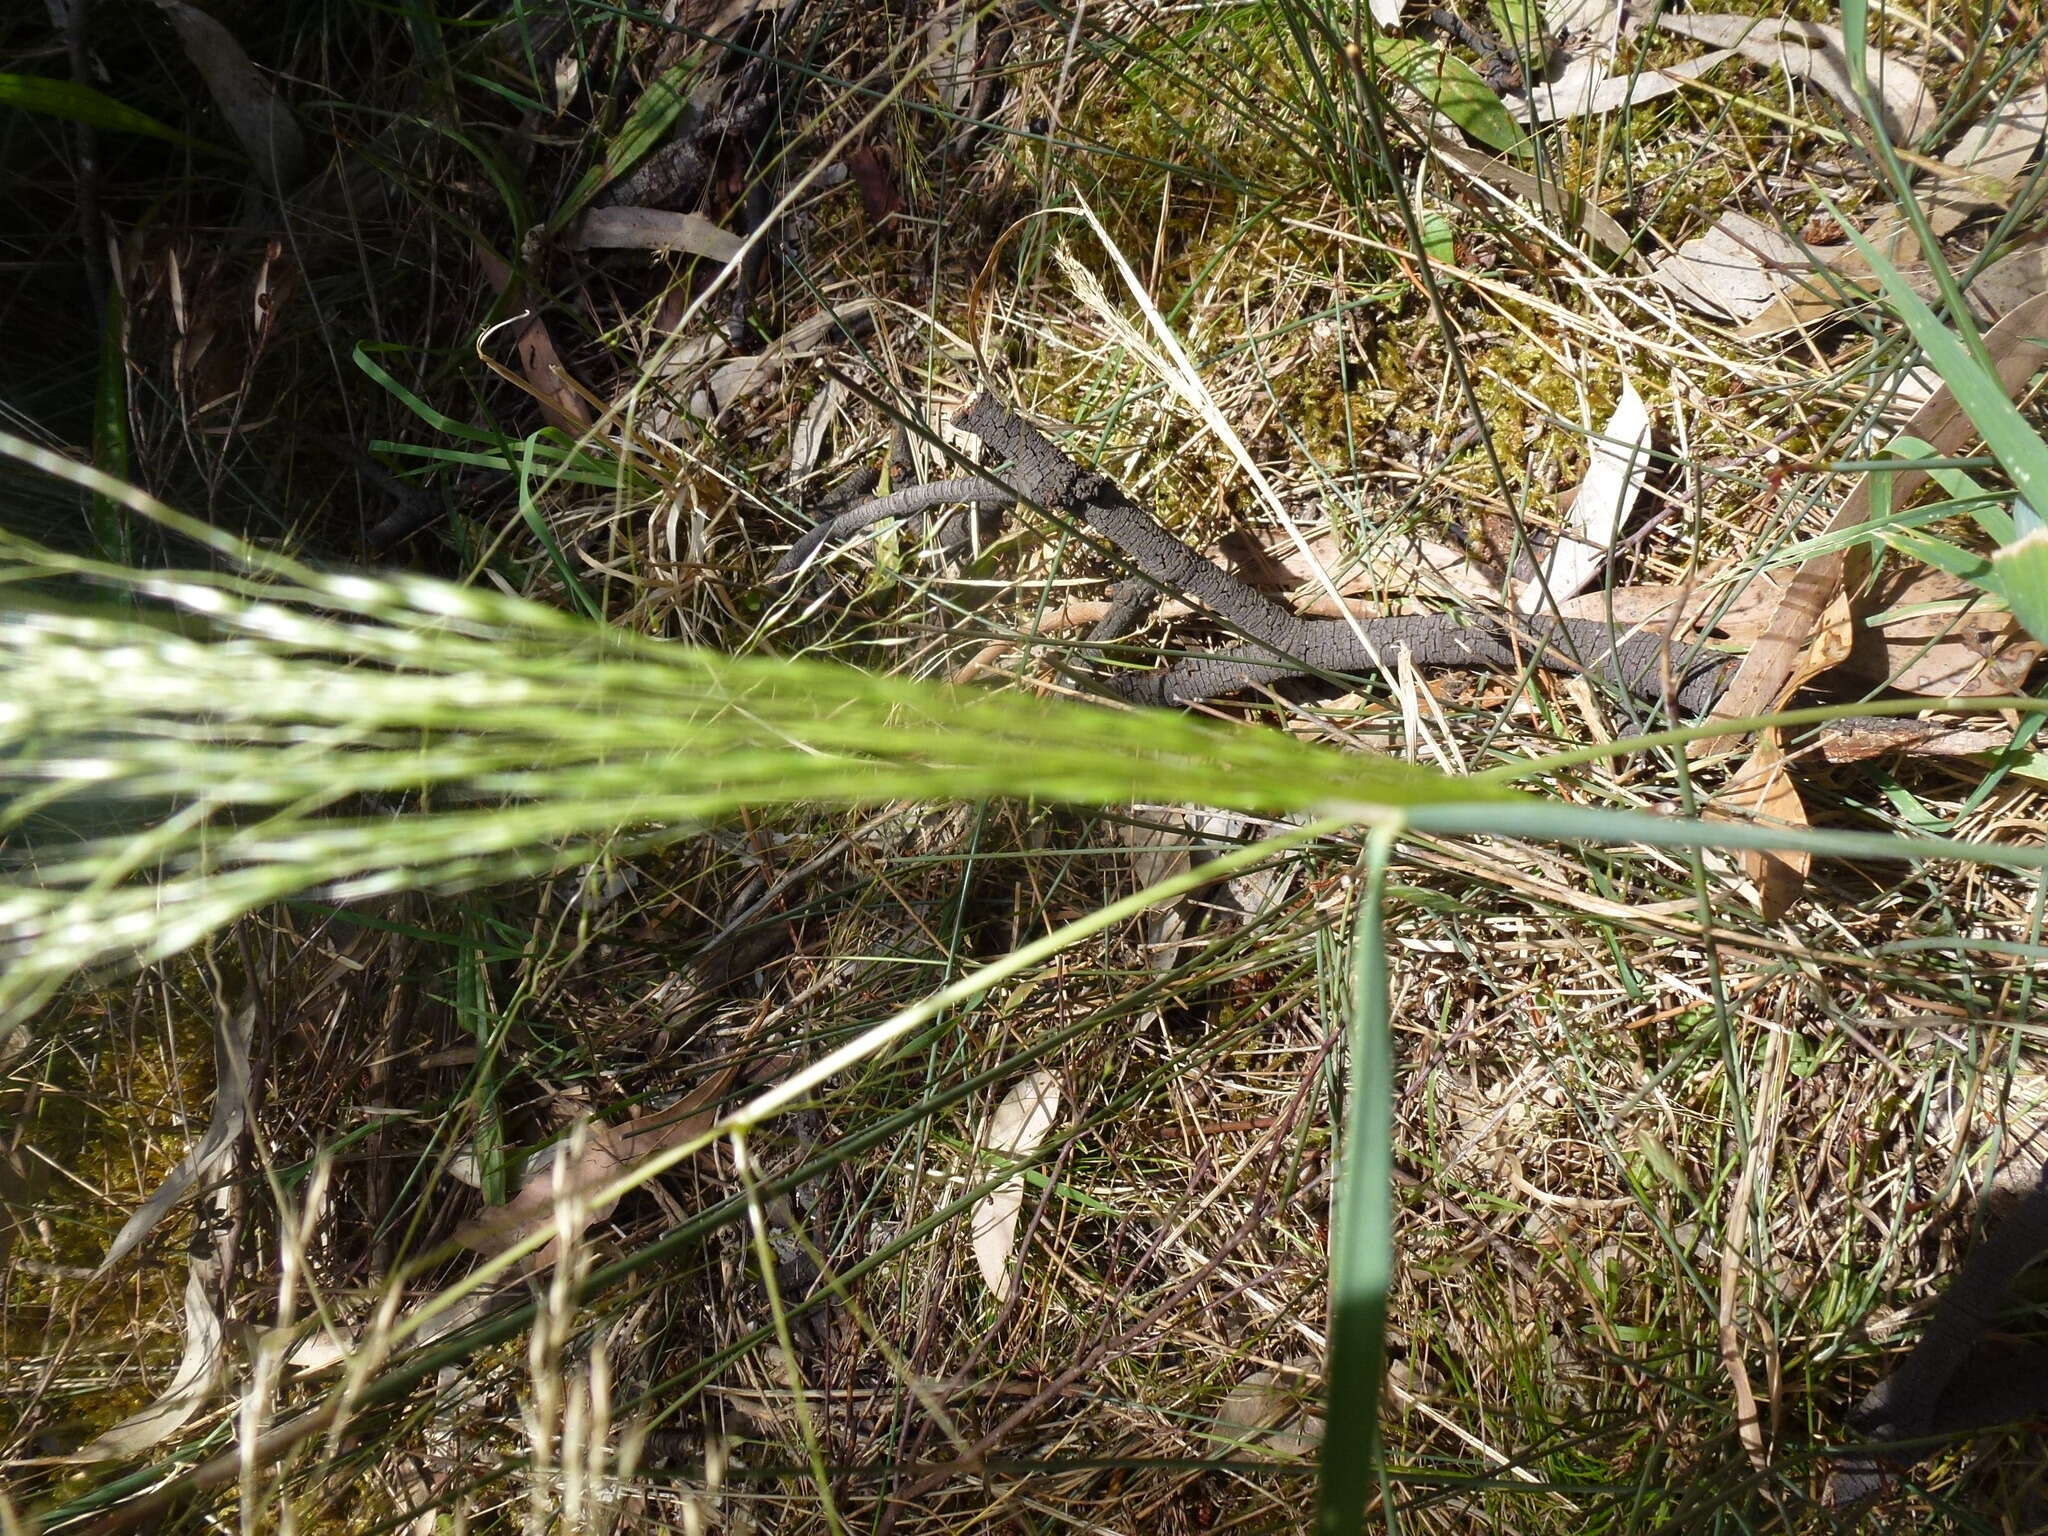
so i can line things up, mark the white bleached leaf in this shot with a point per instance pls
(1735, 269)
(1016, 1128)
(1589, 86)
(1621, 459)
(230, 1113)
(1814, 51)
(188, 1391)
(655, 229)
(807, 441)
(955, 34)
(2000, 146)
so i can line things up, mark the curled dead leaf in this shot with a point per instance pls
(190, 1388)
(587, 1163)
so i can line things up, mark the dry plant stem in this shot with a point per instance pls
(1284, 645)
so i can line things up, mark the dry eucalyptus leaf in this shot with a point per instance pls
(1265, 1412)
(955, 34)
(231, 1075)
(807, 441)
(1763, 791)
(189, 1390)
(2011, 280)
(1606, 497)
(1761, 680)
(734, 381)
(1962, 649)
(548, 380)
(1858, 740)
(1815, 52)
(262, 124)
(1737, 268)
(582, 1166)
(1016, 1129)
(655, 229)
(1414, 563)
(1739, 617)
(1997, 150)
(1590, 86)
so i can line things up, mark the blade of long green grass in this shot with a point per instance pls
(80, 103)
(1361, 1222)
(2021, 566)
(112, 531)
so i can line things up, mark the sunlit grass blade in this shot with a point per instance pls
(1361, 1222)
(2022, 569)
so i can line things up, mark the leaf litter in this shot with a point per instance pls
(1015, 1128)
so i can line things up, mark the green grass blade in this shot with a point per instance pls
(2022, 570)
(652, 116)
(1362, 1223)
(2005, 430)
(80, 103)
(113, 532)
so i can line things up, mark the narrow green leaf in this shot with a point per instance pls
(2006, 432)
(2022, 568)
(652, 116)
(1362, 1222)
(82, 104)
(112, 529)
(1456, 89)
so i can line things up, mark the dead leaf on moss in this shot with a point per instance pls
(232, 1034)
(1589, 87)
(1015, 1129)
(1589, 32)
(1737, 269)
(1815, 52)
(1606, 497)
(190, 1387)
